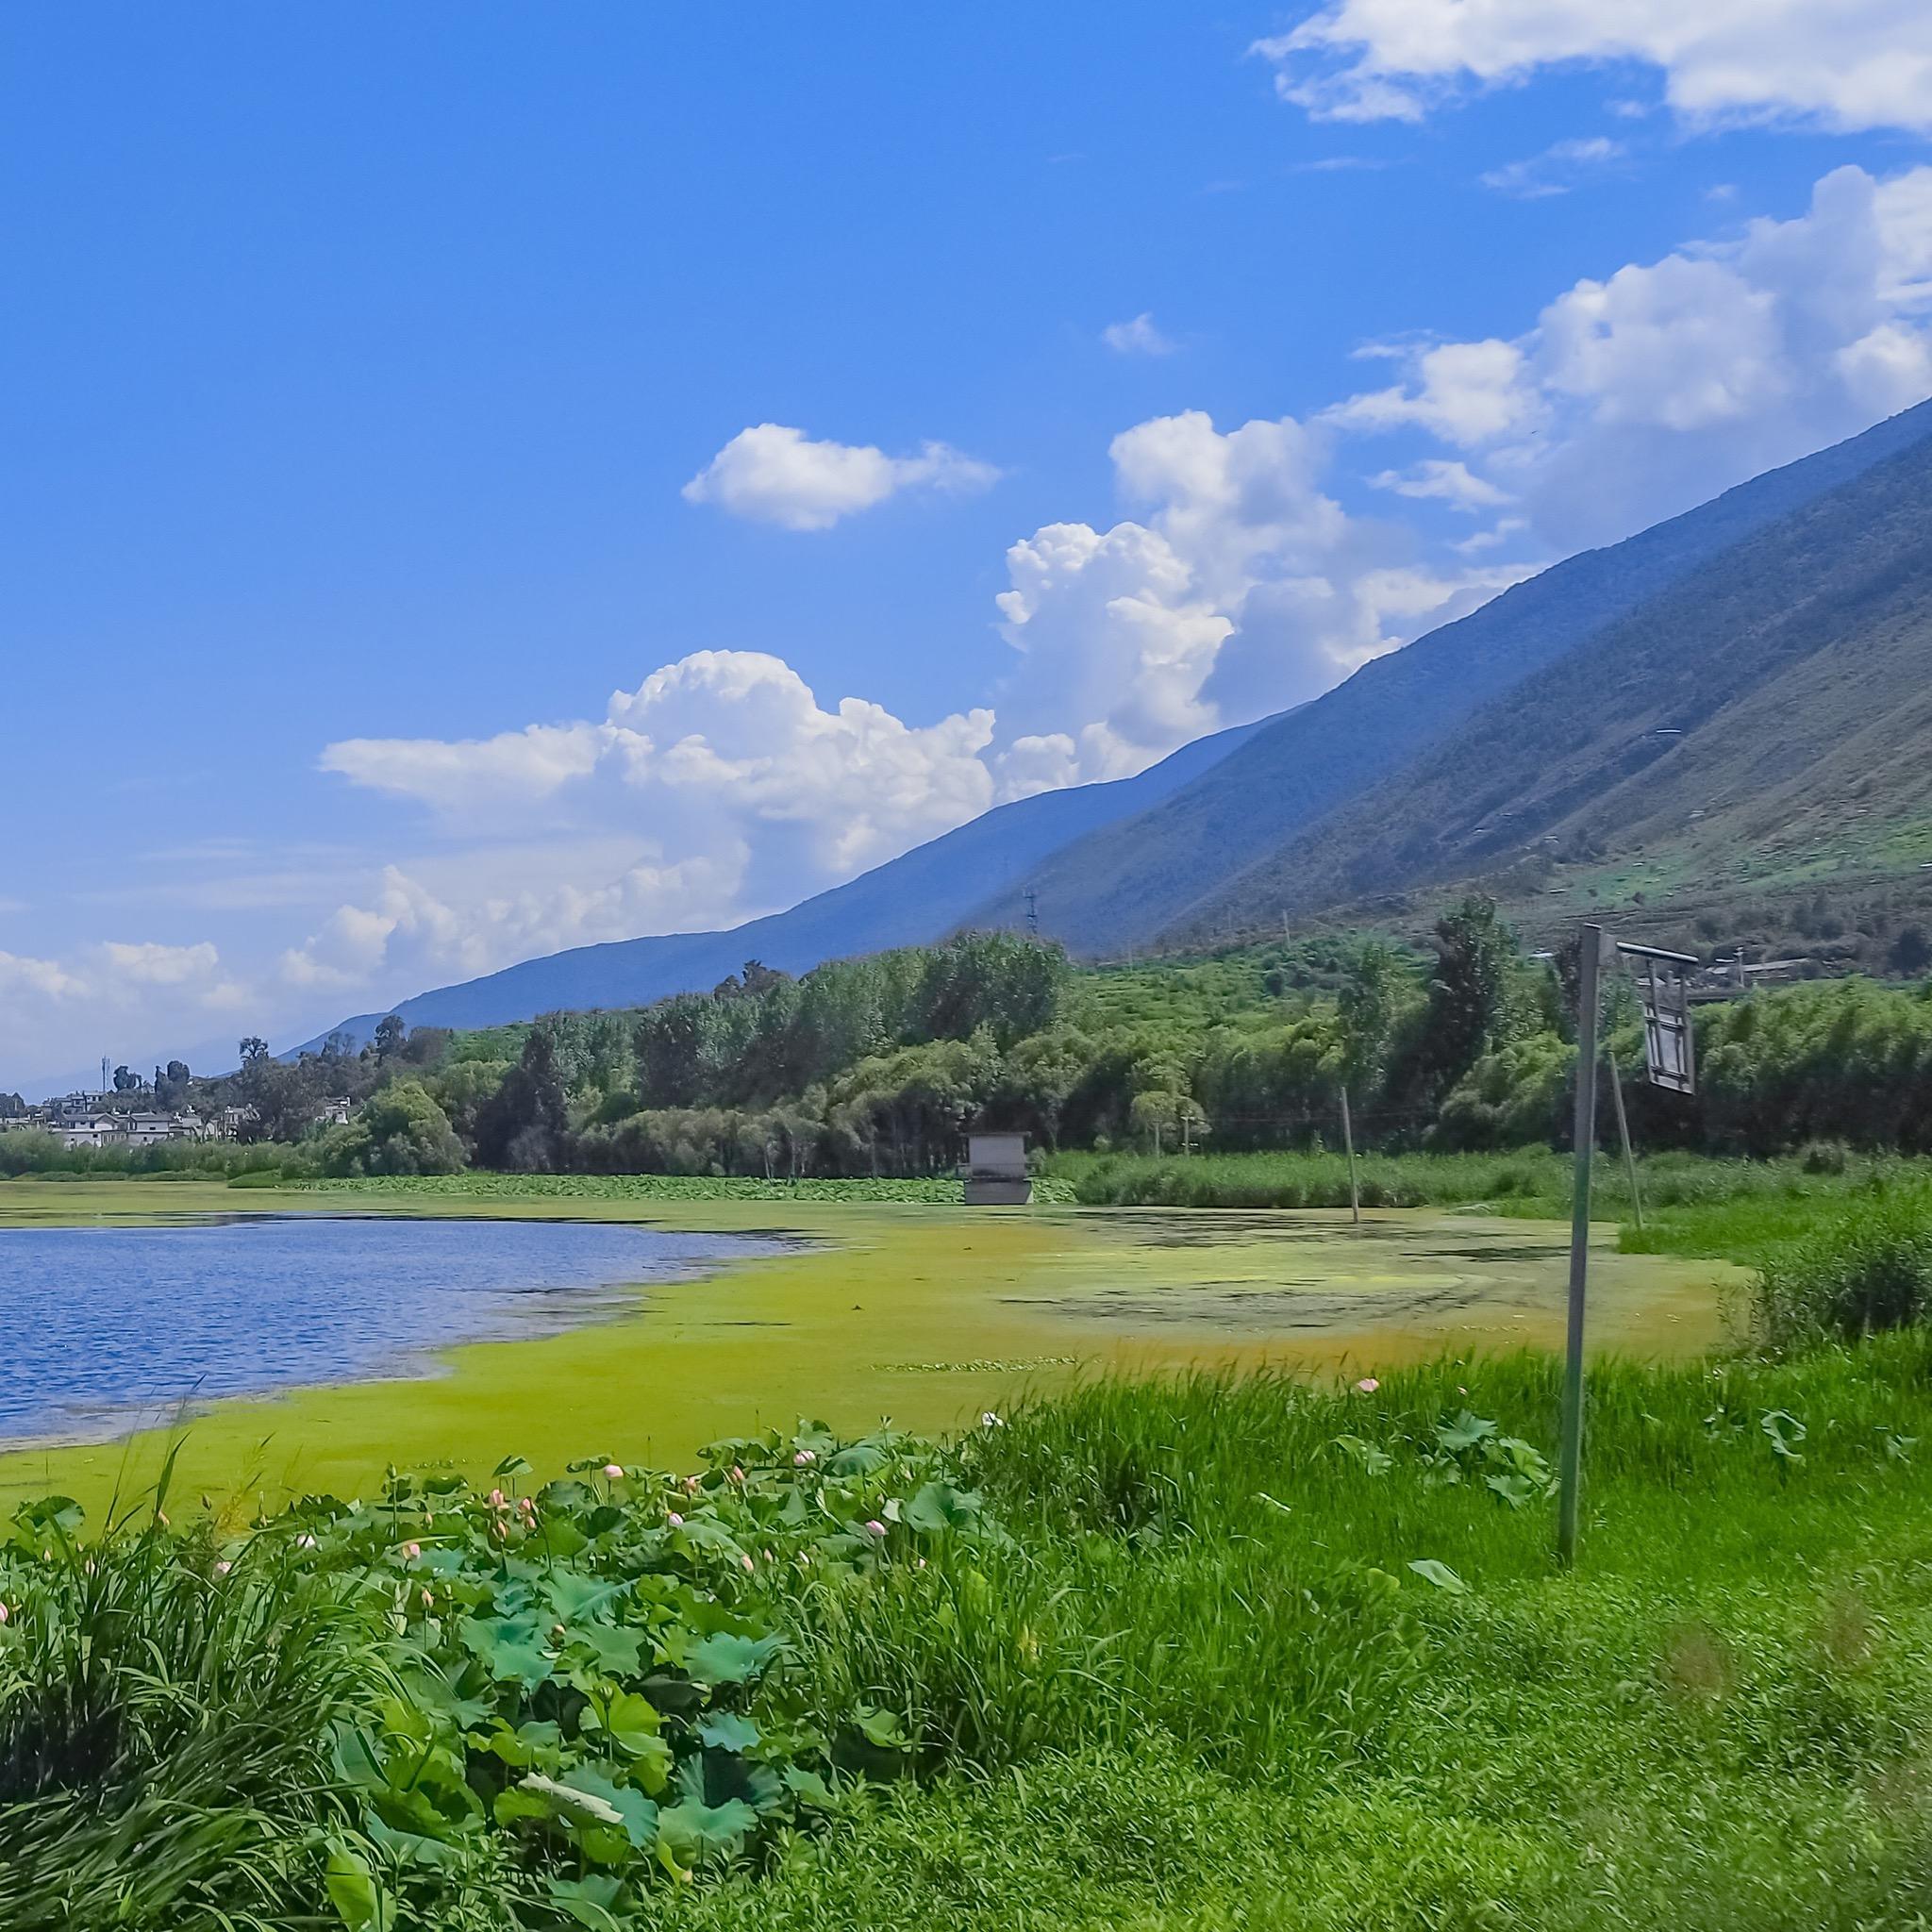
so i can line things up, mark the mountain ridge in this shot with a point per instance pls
(1145, 879)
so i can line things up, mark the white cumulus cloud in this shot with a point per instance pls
(1849, 64)
(1638, 394)
(770, 473)
(718, 790)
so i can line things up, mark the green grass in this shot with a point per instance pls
(1160, 1655)
(1733, 1210)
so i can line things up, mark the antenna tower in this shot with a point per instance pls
(1032, 913)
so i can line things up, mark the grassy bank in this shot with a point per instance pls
(1175, 1653)
(647, 1187)
(923, 1312)
(1693, 1204)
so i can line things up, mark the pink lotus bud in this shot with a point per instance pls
(305, 1542)
(412, 1551)
(804, 1459)
(498, 1500)
(1368, 1385)
(874, 1528)
(614, 1471)
(746, 1564)
(675, 1520)
(429, 1598)
(737, 1474)
(4, 1614)
(222, 1568)
(528, 1507)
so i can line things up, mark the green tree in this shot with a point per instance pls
(398, 1129)
(522, 1127)
(1469, 991)
(390, 1032)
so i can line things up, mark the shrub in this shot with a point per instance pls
(1823, 1156)
(1869, 1270)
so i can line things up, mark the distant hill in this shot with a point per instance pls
(1226, 853)
(1764, 721)
(919, 896)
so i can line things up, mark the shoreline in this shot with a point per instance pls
(922, 1313)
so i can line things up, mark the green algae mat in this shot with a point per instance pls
(923, 1313)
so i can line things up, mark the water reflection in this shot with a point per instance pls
(107, 1326)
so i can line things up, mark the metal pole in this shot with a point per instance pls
(1624, 1130)
(1570, 1459)
(1355, 1195)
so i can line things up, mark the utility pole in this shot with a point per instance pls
(1570, 1454)
(1624, 1131)
(1032, 913)
(1355, 1196)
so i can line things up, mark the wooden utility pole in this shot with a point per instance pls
(1570, 1454)
(1355, 1196)
(1624, 1131)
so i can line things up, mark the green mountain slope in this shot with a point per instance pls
(1172, 870)
(1765, 721)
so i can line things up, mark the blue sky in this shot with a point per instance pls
(900, 411)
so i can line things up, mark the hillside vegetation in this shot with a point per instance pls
(875, 1068)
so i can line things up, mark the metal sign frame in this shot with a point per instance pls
(1669, 1045)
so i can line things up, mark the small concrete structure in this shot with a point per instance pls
(995, 1171)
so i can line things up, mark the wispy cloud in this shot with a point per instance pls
(1557, 170)
(1138, 336)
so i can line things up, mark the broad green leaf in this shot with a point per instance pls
(1367, 1455)
(509, 1648)
(724, 1730)
(938, 1506)
(558, 1538)
(695, 1832)
(566, 1802)
(358, 1899)
(882, 1728)
(533, 1743)
(636, 1813)
(586, 1902)
(617, 1648)
(578, 1599)
(724, 1657)
(1465, 1432)
(808, 1787)
(411, 1847)
(1439, 1575)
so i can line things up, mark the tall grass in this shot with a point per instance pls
(163, 1741)
(1860, 1274)
(29, 1153)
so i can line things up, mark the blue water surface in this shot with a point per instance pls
(105, 1327)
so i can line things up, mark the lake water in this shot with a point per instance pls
(105, 1327)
